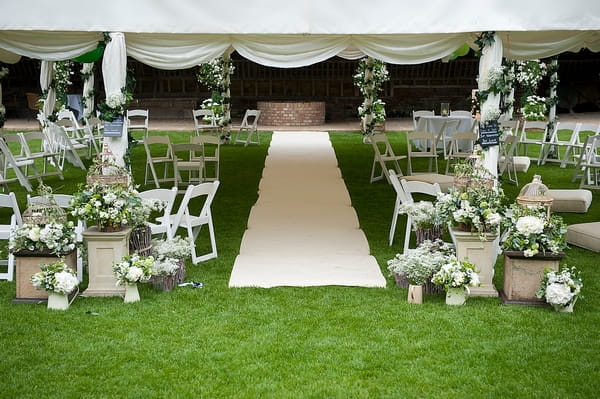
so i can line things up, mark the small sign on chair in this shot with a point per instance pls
(489, 134)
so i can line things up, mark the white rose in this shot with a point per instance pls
(34, 234)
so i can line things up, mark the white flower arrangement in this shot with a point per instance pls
(177, 248)
(424, 214)
(419, 264)
(529, 230)
(116, 100)
(3, 72)
(106, 205)
(489, 112)
(560, 288)
(530, 73)
(535, 109)
(456, 274)
(141, 214)
(55, 277)
(166, 266)
(134, 269)
(58, 238)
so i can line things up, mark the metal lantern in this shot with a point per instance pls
(535, 194)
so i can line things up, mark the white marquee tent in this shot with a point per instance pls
(179, 34)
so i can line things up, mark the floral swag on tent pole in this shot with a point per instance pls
(370, 76)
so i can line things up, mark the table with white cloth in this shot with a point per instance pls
(434, 123)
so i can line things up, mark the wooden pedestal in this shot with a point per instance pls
(522, 276)
(483, 255)
(27, 264)
(104, 249)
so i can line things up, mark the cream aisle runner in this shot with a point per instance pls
(303, 230)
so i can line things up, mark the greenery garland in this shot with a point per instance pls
(63, 70)
(3, 73)
(370, 76)
(216, 75)
(483, 40)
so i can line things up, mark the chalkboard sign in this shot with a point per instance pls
(489, 134)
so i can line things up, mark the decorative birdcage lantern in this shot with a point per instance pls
(536, 194)
(43, 212)
(472, 173)
(106, 171)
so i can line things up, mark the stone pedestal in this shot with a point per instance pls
(522, 277)
(104, 249)
(482, 254)
(28, 263)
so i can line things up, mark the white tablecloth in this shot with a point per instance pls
(433, 124)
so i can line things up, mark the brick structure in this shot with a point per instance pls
(296, 113)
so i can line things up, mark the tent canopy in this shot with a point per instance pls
(183, 33)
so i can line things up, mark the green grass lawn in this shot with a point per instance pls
(321, 342)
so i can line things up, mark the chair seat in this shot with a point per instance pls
(576, 200)
(444, 181)
(585, 235)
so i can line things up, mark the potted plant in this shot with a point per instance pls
(140, 240)
(133, 269)
(532, 242)
(110, 206)
(561, 288)
(418, 266)
(456, 276)
(165, 271)
(58, 280)
(175, 248)
(112, 109)
(426, 220)
(44, 237)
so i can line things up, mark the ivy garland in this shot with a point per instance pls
(61, 82)
(370, 76)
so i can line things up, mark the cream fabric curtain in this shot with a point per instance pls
(88, 89)
(46, 76)
(114, 71)
(491, 58)
(48, 45)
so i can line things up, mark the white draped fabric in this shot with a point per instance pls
(88, 89)
(46, 76)
(114, 70)
(491, 58)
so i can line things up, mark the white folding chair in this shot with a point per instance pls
(37, 146)
(551, 146)
(211, 148)
(162, 226)
(11, 164)
(416, 187)
(461, 113)
(187, 157)
(400, 199)
(588, 167)
(418, 114)
(66, 148)
(460, 147)
(383, 155)
(193, 222)
(80, 138)
(446, 131)
(159, 151)
(421, 145)
(6, 231)
(575, 148)
(95, 129)
(64, 201)
(509, 162)
(137, 119)
(204, 121)
(249, 127)
(532, 133)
